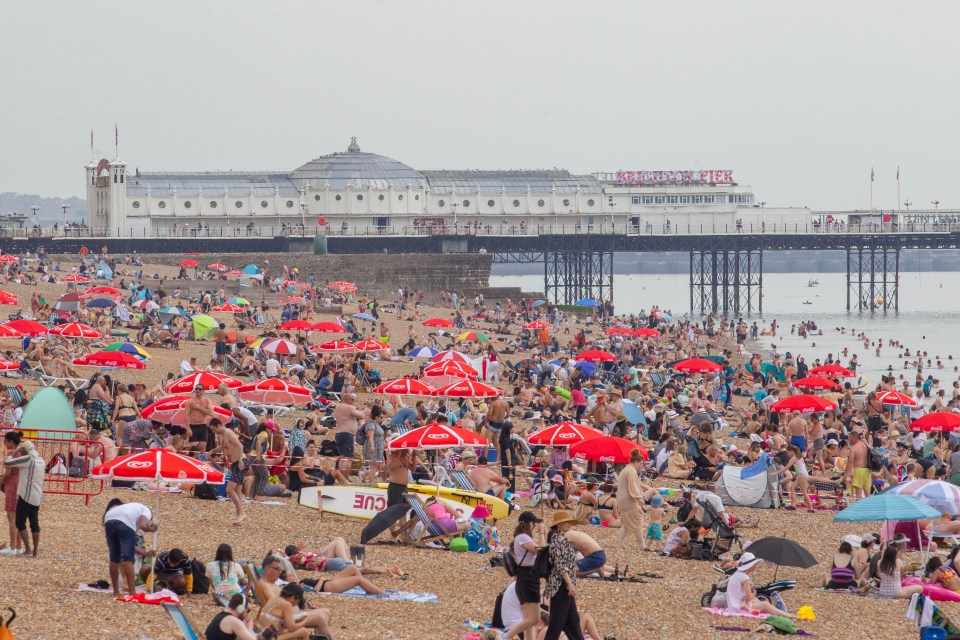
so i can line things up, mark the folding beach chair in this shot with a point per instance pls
(179, 617)
(253, 584)
(432, 531)
(939, 619)
(462, 480)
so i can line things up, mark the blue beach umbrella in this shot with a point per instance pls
(587, 302)
(537, 303)
(101, 303)
(886, 506)
(423, 352)
(364, 316)
(633, 413)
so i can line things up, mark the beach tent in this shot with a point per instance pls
(105, 268)
(753, 486)
(48, 415)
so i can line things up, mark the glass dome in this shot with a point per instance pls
(357, 169)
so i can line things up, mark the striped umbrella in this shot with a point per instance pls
(280, 347)
(423, 352)
(942, 496)
(895, 397)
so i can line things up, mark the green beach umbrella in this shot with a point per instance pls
(48, 415)
(203, 326)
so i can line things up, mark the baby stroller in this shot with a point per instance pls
(720, 536)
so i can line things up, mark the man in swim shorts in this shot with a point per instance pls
(798, 428)
(857, 472)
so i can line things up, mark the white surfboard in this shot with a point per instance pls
(355, 501)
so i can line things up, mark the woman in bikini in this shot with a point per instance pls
(125, 407)
(280, 611)
(607, 507)
(940, 575)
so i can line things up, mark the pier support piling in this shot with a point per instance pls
(728, 282)
(569, 276)
(873, 278)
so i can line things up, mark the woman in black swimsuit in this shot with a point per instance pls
(607, 507)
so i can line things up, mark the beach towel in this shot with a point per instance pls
(164, 595)
(754, 615)
(406, 596)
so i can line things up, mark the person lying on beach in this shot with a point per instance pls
(333, 557)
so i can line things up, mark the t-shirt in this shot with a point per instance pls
(183, 568)
(128, 513)
(673, 539)
(229, 585)
(736, 591)
(524, 558)
(273, 368)
(511, 612)
(250, 417)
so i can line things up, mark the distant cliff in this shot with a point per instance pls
(50, 210)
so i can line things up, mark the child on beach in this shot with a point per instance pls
(655, 527)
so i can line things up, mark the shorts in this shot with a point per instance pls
(344, 444)
(862, 479)
(26, 511)
(336, 564)
(221, 348)
(592, 562)
(654, 531)
(238, 472)
(199, 432)
(395, 493)
(528, 586)
(874, 423)
(800, 442)
(495, 427)
(817, 444)
(121, 541)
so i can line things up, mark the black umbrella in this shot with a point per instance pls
(383, 521)
(781, 551)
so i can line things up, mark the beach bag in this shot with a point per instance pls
(783, 626)
(510, 563)
(459, 545)
(205, 491)
(329, 449)
(5, 633)
(361, 437)
(875, 460)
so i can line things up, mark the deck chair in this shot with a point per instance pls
(16, 395)
(462, 480)
(48, 380)
(253, 580)
(939, 619)
(721, 537)
(432, 531)
(179, 617)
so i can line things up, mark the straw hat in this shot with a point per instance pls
(559, 517)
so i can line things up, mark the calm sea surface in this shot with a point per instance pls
(928, 320)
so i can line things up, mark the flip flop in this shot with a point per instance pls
(406, 576)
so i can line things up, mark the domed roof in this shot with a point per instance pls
(357, 169)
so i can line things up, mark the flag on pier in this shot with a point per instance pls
(871, 174)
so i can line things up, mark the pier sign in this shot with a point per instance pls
(694, 177)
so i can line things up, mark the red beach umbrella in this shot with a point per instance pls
(9, 258)
(937, 421)
(30, 328)
(438, 322)
(646, 333)
(172, 410)
(370, 345)
(697, 365)
(75, 278)
(564, 434)
(438, 436)
(189, 263)
(450, 354)
(467, 389)
(280, 347)
(832, 371)
(209, 379)
(116, 359)
(450, 368)
(290, 300)
(156, 465)
(275, 391)
(108, 292)
(74, 330)
(296, 325)
(606, 449)
(228, 307)
(216, 266)
(595, 355)
(334, 346)
(804, 403)
(895, 397)
(537, 324)
(816, 383)
(405, 387)
(9, 332)
(329, 327)
(619, 331)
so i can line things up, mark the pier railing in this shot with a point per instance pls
(354, 230)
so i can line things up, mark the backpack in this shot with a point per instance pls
(205, 491)
(201, 583)
(329, 449)
(541, 566)
(510, 563)
(875, 460)
(361, 438)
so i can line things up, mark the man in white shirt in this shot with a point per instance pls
(741, 595)
(272, 367)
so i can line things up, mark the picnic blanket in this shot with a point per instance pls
(160, 597)
(406, 596)
(717, 611)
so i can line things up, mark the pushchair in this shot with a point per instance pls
(720, 536)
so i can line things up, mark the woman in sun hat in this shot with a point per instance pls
(742, 597)
(561, 586)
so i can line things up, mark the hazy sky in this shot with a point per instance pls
(799, 99)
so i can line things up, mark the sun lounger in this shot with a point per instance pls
(432, 531)
(462, 480)
(279, 410)
(76, 384)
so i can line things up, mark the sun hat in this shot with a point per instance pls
(270, 424)
(559, 517)
(853, 539)
(832, 441)
(746, 561)
(468, 453)
(656, 501)
(481, 511)
(900, 539)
